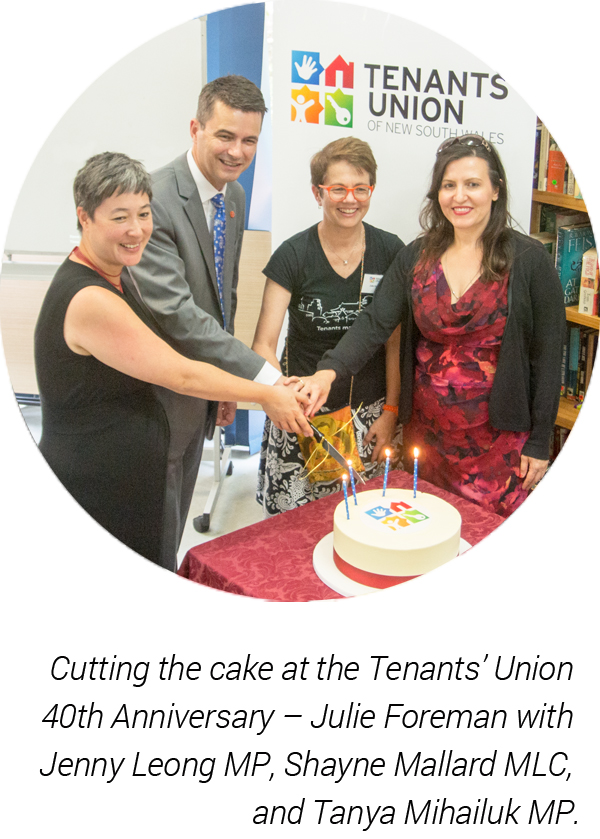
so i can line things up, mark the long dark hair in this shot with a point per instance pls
(438, 232)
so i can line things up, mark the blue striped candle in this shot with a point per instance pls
(415, 471)
(387, 469)
(352, 484)
(345, 485)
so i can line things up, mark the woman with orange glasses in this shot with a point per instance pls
(323, 277)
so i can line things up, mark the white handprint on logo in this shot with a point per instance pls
(307, 68)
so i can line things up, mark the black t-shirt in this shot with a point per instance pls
(324, 306)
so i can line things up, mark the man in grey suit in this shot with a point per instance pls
(192, 306)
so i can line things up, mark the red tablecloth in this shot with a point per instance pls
(273, 559)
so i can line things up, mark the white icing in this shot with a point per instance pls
(401, 543)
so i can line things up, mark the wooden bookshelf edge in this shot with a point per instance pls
(559, 200)
(575, 316)
(567, 413)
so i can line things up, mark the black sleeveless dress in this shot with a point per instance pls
(104, 434)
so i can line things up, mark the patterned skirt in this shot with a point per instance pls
(281, 482)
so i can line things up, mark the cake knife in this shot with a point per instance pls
(331, 450)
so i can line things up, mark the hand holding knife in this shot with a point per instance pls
(331, 450)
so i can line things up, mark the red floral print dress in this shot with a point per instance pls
(456, 362)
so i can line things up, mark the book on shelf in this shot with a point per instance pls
(548, 240)
(581, 364)
(573, 366)
(555, 179)
(564, 363)
(551, 171)
(572, 241)
(543, 157)
(579, 352)
(590, 359)
(589, 289)
(551, 218)
(570, 184)
(536, 154)
(587, 353)
(558, 440)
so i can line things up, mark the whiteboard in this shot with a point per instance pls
(141, 106)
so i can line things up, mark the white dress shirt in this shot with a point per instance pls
(267, 375)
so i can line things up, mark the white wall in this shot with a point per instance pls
(141, 106)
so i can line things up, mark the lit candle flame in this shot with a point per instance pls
(387, 452)
(416, 452)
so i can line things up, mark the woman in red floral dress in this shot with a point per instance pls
(455, 364)
(482, 317)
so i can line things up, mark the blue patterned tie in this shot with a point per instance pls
(219, 245)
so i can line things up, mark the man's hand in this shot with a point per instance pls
(382, 431)
(285, 408)
(532, 471)
(226, 413)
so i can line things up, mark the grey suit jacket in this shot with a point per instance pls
(177, 278)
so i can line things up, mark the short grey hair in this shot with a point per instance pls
(237, 92)
(106, 174)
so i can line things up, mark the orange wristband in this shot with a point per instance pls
(392, 408)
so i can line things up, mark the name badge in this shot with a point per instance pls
(370, 283)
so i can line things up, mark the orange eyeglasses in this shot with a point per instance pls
(337, 192)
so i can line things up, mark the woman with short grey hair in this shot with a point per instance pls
(106, 174)
(104, 433)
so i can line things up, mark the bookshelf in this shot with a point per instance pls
(566, 201)
(574, 316)
(567, 412)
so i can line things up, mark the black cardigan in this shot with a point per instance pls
(526, 388)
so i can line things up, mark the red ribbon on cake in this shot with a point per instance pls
(367, 578)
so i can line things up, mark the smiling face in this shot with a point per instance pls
(119, 231)
(348, 213)
(225, 146)
(467, 194)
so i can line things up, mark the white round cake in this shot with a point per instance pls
(388, 539)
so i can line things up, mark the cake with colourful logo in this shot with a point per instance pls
(386, 539)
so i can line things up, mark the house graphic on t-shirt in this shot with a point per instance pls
(344, 314)
(311, 307)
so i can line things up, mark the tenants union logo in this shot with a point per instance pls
(320, 94)
(397, 516)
